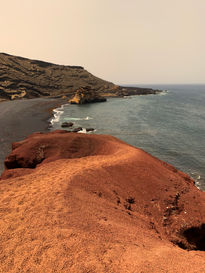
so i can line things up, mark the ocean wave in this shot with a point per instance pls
(59, 111)
(72, 118)
(163, 93)
(199, 181)
(83, 131)
(56, 114)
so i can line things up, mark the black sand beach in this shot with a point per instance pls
(20, 118)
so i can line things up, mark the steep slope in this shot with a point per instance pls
(92, 203)
(25, 78)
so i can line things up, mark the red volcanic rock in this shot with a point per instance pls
(43, 148)
(92, 203)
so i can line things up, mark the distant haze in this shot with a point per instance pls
(123, 41)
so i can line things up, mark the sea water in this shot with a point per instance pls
(170, 126)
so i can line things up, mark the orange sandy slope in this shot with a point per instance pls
(95, 204)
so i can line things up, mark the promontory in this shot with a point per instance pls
(24, 78)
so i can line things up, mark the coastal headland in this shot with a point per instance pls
(92, 203)
(25, 78)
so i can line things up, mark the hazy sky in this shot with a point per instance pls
(124, 41)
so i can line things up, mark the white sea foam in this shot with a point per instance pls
(197, 179)
(88, 118)
(83, 131)
(197, 184)
(56, 114)
(163, 93)
(72, 118)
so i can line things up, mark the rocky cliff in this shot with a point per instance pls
(92, 203)
(25, 78)
(86, 95)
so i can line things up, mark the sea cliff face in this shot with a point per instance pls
(25, 78)
(92, 203)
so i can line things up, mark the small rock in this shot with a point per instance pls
(77, 129)
(66, 124)
(89, 129)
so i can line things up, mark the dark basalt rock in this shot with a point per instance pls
(77, 129)
(66, 124)
(90, 129)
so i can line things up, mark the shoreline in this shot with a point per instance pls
(20, 118)
(27, 116)
(196, 174)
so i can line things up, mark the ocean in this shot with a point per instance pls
(170, 125)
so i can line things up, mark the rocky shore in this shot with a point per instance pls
(24, 78)
(92, 203)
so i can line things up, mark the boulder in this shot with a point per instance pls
(66, 124)
(90, 129)
(86, 95)
(77, 129)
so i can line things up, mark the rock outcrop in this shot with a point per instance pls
(92, 203)
(86, 95)
(25, 78)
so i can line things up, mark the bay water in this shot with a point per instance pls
(170, 125)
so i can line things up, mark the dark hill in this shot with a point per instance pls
(24, 78)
